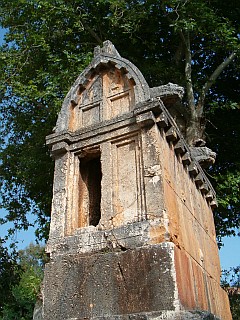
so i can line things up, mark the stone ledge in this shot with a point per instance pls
(91, 239)
(162, 315)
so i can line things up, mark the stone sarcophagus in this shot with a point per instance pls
(132, 233)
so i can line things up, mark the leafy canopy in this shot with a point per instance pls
(49, 42)
(20, 280)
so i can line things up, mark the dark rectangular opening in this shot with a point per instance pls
(90, 188)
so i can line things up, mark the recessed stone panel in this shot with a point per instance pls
(91, 114)
(118, 92)
(126, 180)
(119, 104)
(93, 91)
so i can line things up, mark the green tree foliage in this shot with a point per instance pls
(20, 282)
(48, 43)
(224, 138)
(231, 283)
(8, 274)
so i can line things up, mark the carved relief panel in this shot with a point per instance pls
(108, 94)
(118, 92)
(88, 110)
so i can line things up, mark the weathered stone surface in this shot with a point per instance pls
(169, 93)
(111, 283)
(203, 155)
(37, 313)
(164, 315)
(132, 233)
(91, 239)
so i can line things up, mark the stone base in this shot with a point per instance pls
(166, 315)
(138, 283)
(110, 283)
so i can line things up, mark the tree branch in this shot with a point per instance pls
(213, 78)
(188, 71)
(88, 28)
(92, 32)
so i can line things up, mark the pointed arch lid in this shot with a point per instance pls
(108, 87)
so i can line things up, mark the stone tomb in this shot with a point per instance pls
(132, 233)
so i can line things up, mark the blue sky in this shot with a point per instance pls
(229, 254)
(1, 35)
(23, 237)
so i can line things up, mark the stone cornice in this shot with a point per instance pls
(145, 114)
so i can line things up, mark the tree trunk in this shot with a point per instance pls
(195, 130)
